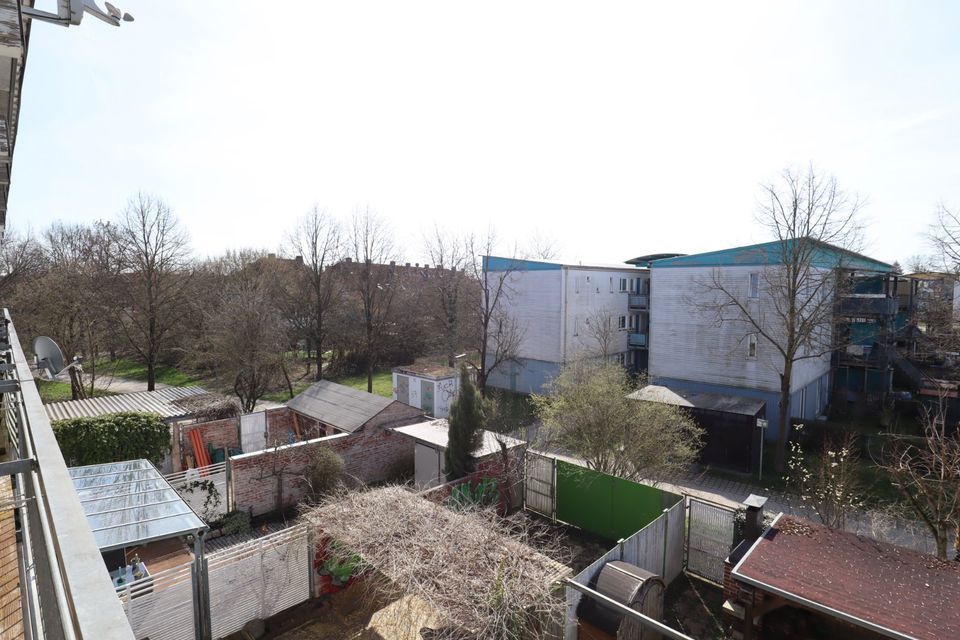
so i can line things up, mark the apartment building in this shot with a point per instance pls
(695, 352)
(566, 310)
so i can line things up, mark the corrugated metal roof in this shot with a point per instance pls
(437, 433)
(160, 402)
(699, 400)
(130, 503)
(338, 406)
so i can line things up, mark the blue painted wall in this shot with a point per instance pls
(524, 376)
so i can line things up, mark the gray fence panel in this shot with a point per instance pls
(540, 484)
(709, 540)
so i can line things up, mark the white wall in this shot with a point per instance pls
(552, 306)
(444, 391)
(584, 300)
(687, 343)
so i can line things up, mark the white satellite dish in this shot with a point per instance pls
(49, 355)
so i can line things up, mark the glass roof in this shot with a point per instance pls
(130, 503)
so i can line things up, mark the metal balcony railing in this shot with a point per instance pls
(862, 305)
(637, 339)
(639, 300)
(65, 589)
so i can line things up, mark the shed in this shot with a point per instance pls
(162, 402)
(733, 431)
(800, 575)
(430, 387)
(431, 444)
(348, 410)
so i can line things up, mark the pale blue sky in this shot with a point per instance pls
(618, 128)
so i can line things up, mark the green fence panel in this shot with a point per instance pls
(605, 505)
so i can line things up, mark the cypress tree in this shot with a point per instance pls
(466, 428)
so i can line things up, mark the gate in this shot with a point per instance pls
(161, 606)
(709, 538)
(253, 432)
(540, 484)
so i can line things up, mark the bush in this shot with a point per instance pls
(323, 472)
(113, 438)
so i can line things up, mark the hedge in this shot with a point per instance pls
(113, 438)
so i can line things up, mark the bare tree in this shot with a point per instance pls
(599, 335)
(927, 473)
(244, 339)
(374, 284)
(543, 246)
(154, 254)
(830, 486)
(587, 414)
(21, 258)
(499, 334)
(945, 237)
(451, 288)
(790, 312)
(317, 240)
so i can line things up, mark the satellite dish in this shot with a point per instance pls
(49, 355)
(112, 15)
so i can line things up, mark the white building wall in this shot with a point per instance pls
(533, 299)
(591, 293)
(687, 342)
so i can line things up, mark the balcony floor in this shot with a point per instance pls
(11, 613)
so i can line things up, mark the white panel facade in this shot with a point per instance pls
(687, 342)
(533, 299)
(591, 295)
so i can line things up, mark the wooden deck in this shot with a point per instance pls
(162, 555)
(11, 613)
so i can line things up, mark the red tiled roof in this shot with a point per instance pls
(874, 582)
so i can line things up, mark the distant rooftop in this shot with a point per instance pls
(437, 433)
(498, 263)
(897, 592)
(162, 402)
(644, 261)
(770, 253)
(699, 400)
(339, 406)
(427, 370)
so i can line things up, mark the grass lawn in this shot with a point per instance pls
(382, 385)
(133, 370)
(57, 391)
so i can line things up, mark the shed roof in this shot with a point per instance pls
(428, 370)
(437, 433)
(875, 585)
(129, 503)
(161, 402)
(341, 407)
(699, 400)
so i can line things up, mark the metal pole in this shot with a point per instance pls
(666, 531)
(645, 620)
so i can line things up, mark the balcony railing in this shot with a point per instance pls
(639, 300)
(65, 589)
(865, 305)
(637, 339)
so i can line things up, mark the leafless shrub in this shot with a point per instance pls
(487, 577)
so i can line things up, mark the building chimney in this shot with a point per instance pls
(298, 259)
(272, 256)
(407, 264)
(393, 263)
(753, 527)
(349, 260)
(416, 264)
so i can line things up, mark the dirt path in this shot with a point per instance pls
(124, 385)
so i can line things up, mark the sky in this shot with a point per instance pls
(616, 129)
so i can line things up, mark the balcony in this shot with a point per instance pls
(637, 339)
(869, 305)
(64, 588)
(639, 301)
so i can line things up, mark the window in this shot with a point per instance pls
(623, 284)
(632, 288)
(622, 322)
(634, 321)
(754, 285)
(752, 345)
(576, 326)
(611, 285)
(622, 359)
(576, 284)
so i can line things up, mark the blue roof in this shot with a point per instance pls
(769, 253)
(494, 263)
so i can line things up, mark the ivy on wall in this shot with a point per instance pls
(113, 438)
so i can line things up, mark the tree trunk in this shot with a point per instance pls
(941, 538)
(151, 375)
(370, 377)
(286, 377)
(319, 361)
(780, 459)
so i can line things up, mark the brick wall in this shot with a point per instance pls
(491, 466)
(397, 414)
(283, 421)
(268, 480)
(219, 433)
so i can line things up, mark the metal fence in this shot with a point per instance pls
(161, 606)
(205, 489)
(540, 483)
(709, 538)
(260, 578)
(657, 548)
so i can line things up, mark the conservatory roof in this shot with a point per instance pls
(130, 503)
